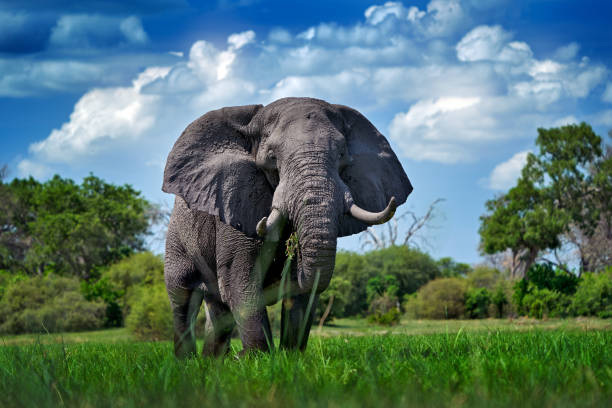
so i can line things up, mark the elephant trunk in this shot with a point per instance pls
(317, 201)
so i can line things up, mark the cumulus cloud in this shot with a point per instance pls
(93, 31)
(27, 168)
(439, 99)
(105, 118)
(430, 131)
(100, 116)
(505, 174)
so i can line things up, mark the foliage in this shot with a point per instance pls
(542, 302)
(451, 269)
(593, 296)
(384, 309)
(68, 228)
(338, 293)
(545, 276)
(545, 291)
(477, 301)
(439, 299)
(566, 184)
(537, 368)
(484, 277)
(150, 316)
(500, 299)
(48, 303)
(410, 269)
(105, 291)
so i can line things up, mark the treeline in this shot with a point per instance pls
(58, 242)
(69, 229)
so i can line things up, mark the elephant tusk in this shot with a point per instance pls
(372, 218)
(270, 224)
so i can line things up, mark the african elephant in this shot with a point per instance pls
(245, 178)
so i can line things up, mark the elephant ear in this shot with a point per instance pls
(211, 167)
(374, 175)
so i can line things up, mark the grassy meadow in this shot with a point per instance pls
(418, 363)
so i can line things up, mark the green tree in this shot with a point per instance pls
(71, 229)
(449, 268)
(568, 182)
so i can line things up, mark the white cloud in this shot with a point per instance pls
(603, 118)
(100, 116)
(607, 95)
(27, 168)
(440, 100)
(280, 35)
(424, 132)
(94, 31)
(567, 52)
(105, 118)
(567, 120)
(482, 43)
(505, 174)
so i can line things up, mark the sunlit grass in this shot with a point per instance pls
(569, 366)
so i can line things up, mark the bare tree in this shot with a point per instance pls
(389, 234)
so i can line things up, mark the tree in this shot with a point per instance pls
(523, 222)
(68, 228)
(566, 185)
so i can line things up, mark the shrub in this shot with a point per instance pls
(545, 291)
(593, 296)
(338, 294)
(48, 304)
(439, 299)
(102, 289)
(477, 301)
(540, 303)
(499, 298)
(390, 318)
(384, 310)
(150, 317)
(484, 277)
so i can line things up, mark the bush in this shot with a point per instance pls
(117, 284)
(439, 299)
(484, 277)
(384, 310)
(540, 303)
(410, 268)
(390, 318)
(150, 317)
(338, 294)
(593, 296)
(477, 301)
(545, 291)
(48, 304)
(499, 299)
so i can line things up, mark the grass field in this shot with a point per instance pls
(421, 363)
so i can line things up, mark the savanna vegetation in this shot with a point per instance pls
(73, 258)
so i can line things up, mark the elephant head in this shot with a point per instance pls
(323, 168)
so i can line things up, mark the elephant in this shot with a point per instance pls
(245, 179)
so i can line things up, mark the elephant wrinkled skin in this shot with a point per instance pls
(245, 178)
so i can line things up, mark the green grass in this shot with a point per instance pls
(485, 363)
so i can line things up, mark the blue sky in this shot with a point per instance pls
(459, 87)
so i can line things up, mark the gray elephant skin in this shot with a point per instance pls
(246, 178)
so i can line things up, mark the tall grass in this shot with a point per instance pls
(500, 368)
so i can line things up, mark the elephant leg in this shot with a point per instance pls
(253, 326)
(296, 320)
(218, 330)
(185, 305)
